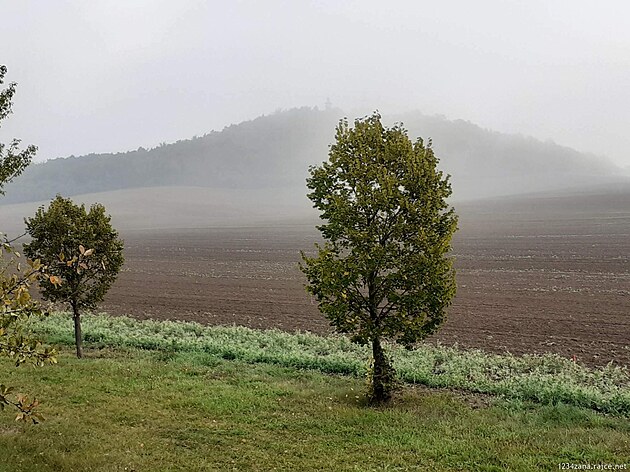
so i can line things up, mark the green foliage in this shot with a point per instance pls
(12, 160)
(16, 309)
(383, 272)
(79, 277)
(60, 235)
(547, 379)
(16, 304)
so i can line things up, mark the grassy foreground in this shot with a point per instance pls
(128, 409)
(547, 379)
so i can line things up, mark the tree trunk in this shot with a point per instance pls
(77, 330)
(382, 375)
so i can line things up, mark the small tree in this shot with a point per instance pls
(383, 272)
(82, 251)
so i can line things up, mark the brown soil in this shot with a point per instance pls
(528, 281)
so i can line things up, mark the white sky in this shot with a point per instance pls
(102, 76)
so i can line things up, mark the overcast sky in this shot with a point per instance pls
(102, 76)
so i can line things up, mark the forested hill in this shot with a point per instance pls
(267, 152)
(274, 151)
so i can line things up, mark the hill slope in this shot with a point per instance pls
(485, 163)
(274, 152)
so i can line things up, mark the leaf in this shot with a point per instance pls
(37, 418)
(55, 280)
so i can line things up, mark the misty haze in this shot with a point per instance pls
(197, 124)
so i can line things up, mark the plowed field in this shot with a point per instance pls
(536, 277)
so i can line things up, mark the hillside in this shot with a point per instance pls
(274, 152)
(486, 163)
(268, 152)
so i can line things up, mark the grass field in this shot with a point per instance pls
(547, 379)
(140, 410)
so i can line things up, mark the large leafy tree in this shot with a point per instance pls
(384, 271)
(16, 304)
(83, 252)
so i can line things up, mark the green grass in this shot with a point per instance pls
(548, 379)
(128, 409)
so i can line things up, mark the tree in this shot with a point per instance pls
(88, 249)
(12, 160)
(16, 308)
(16, 304)
(383, 272)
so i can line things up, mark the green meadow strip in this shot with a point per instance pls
(545, 379)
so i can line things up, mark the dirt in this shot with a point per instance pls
(528, 281)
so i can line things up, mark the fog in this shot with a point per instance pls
(253, 174)
(107, 76)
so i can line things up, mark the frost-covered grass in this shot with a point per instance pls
(546, 379)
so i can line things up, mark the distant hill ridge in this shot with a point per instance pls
(274, 152)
